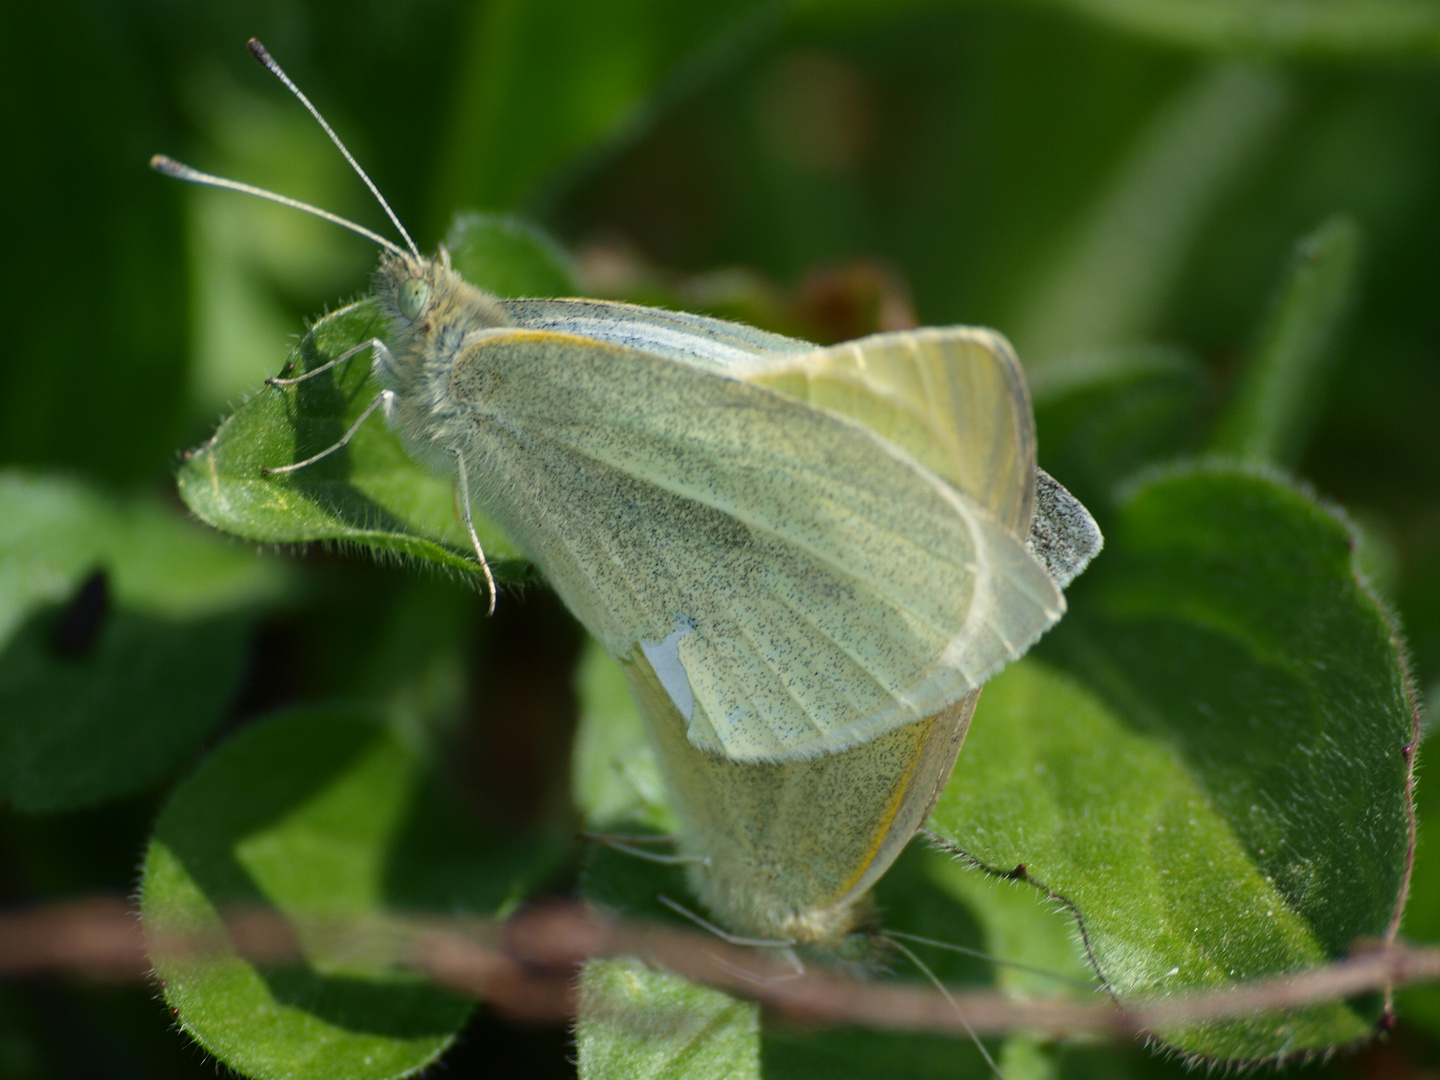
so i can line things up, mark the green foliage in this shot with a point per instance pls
(1105, 414)
(1421, 1004)
(520, 122)
(508, 256)
(122, 639)
(614, 774)
(1330, 28)
(320, 816)
(1110, 280)
(1190, 785)
(653, 1026)
(1270, 415)
(1203, 762)
(370, 493)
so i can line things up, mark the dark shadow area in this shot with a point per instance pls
(492, 1045)
(512, 758)
(98, 701)
(444, 861)
(1107, 416)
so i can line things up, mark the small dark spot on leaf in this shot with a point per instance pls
(75, 631)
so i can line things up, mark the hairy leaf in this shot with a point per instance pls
(1209, 760)
(123, 633)
(317, 815)
(369, 493)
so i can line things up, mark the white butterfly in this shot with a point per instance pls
(811, 547)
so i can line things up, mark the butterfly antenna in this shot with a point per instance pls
(259, 52)
(980, 955)
(953, 1004)
(170, 167)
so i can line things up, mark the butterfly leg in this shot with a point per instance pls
(627, 844)
(723, 935)
(373, 343)
(788, 947)
(470, 527)
(382, 398)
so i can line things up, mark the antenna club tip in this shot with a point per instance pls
(259, 51)
(163, 163)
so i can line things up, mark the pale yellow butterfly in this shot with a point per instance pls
(788, 851)
(808, 558)
(799, 584)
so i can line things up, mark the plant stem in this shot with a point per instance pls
(1280, 390)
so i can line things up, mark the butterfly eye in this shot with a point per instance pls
(413, 296)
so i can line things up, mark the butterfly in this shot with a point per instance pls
(810, 546)
(809, 559)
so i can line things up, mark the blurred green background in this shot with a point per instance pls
(1079, 175)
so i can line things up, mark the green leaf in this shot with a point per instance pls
(1207, 761)
(919, 895)
(1421, 1004)
(1330, 29)
(509, 256)
(615, 774)
(317, 814)
(370, 493)
(123, 632)
(1274, 406)
(1103, 415)
(1032, 939)
(1110, 279)
(1316, 28)
(55, 530)
(546, 80)
(642, 1024)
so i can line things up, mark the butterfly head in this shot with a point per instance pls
(433, 314)
(405, 286)
(427, 296)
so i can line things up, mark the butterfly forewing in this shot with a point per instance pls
(804, 585)
(699, 340)
(952, 397)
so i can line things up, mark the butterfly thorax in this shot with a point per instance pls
(434, 316)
